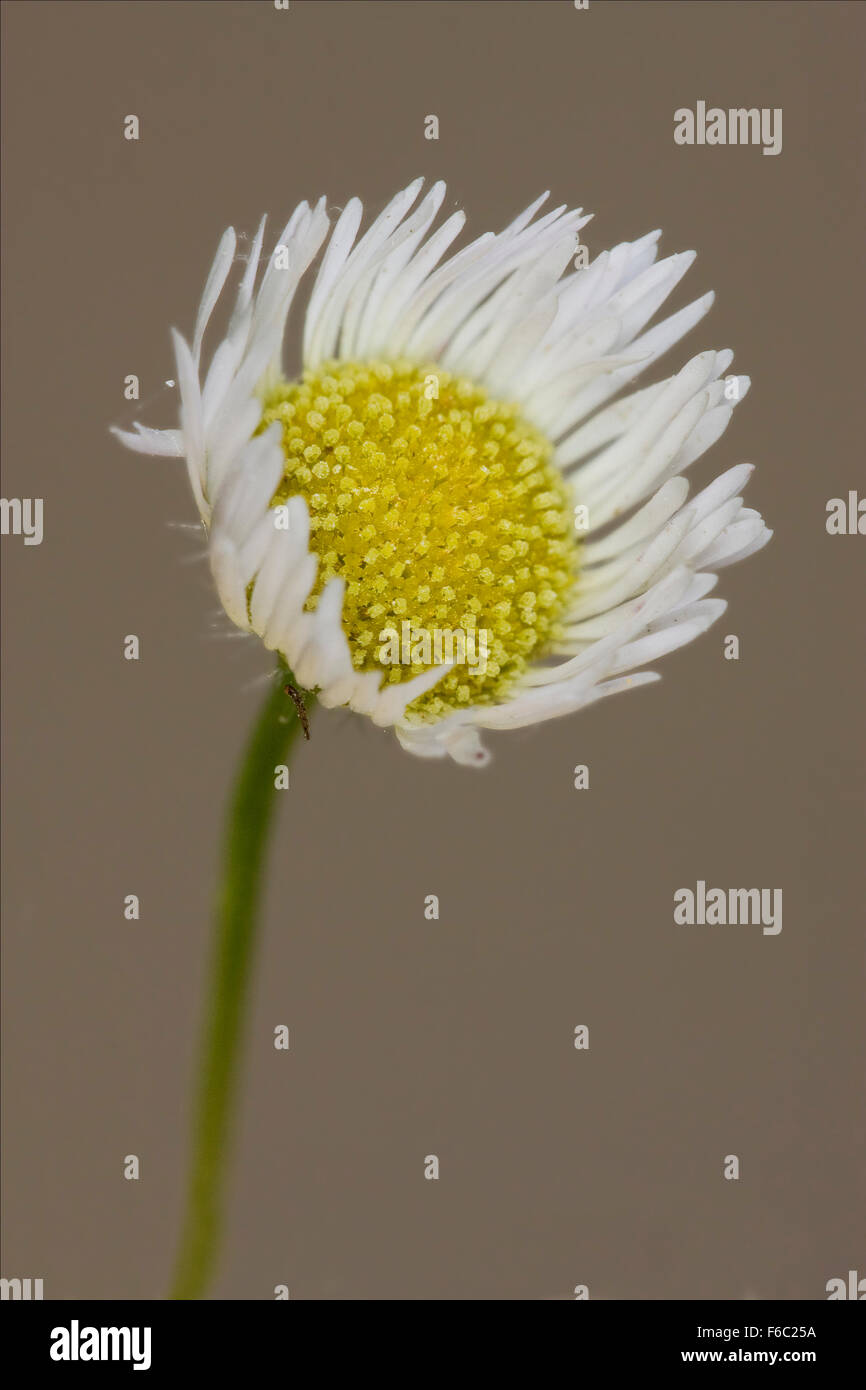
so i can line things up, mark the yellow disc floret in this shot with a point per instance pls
(444, 514)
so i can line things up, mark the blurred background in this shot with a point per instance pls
(558, 1167)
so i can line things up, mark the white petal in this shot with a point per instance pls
(162, 443)
(646, 522)
(213, 288)
(393, 699)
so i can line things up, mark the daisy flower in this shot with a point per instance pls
(459, 454)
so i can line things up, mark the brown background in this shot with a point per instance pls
(409, 1037)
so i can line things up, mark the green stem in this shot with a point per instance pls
(249, 818)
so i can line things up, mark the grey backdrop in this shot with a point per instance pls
(558, 1167)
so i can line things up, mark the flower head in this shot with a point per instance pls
(456, 519)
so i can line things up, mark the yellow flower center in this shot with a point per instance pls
(444, 514)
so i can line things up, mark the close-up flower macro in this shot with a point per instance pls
(464, 451)
(386, 384)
